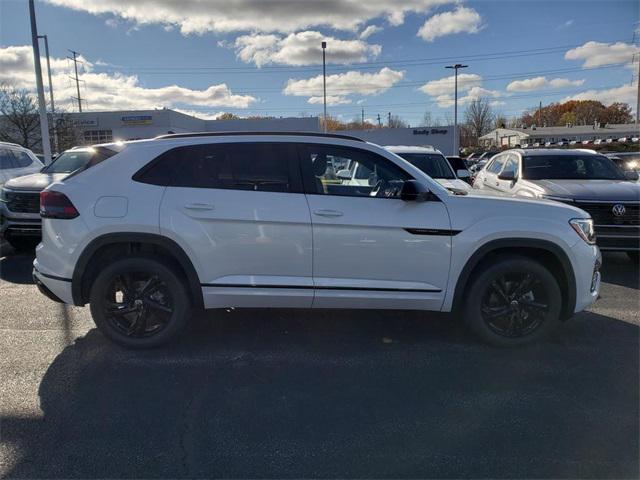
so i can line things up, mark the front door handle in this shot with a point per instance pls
(198, 206)
(328, 213)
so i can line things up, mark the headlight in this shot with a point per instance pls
(3, 194)
(584, 228)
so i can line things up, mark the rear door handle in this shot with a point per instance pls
(328, 213)
(198, 206)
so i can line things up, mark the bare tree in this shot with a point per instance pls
(479, 117)
(20, 122)
(396, 122)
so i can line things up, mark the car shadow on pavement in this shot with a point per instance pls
(337, 394)
(16, 267)
(619, 269)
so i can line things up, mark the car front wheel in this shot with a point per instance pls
(513, 301)
(139, 302)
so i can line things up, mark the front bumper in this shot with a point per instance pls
(19, 224)
(624, 238)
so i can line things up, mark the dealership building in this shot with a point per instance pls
(510, 137)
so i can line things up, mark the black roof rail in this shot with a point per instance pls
(235, 133)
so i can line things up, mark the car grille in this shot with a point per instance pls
(602, 213)
(23, 202)
(615, 232)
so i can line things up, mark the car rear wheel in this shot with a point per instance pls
(139, 303)
(512, 302)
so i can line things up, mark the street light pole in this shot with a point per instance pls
(456, 145)
(42, 106)
(53, 107)
(324, 85)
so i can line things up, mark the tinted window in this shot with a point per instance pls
(457, 163)
(375, 176)
(433, 164)
(22, 159)
(6, 159)
(239, 166)
(570, 167)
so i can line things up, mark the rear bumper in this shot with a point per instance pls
(56, 288)
(44, 290)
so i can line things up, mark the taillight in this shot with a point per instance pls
(56, 205)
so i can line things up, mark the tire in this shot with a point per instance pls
(496, 319)
(140, 303)
(22, 244)
(635, 258)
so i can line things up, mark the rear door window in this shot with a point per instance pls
(7, 160)
(22, 159)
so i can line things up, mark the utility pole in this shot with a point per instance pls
(324, 83)
(53, 106)
(42, 106)
(379, 122)
(456, 146)
(540, 114)
(638, 95)
(75, 66)
(363, 117)
(389, 119)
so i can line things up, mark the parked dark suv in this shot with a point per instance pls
(582, 178)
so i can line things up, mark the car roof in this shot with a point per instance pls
(541, 152)
(411, 149)
(13, 145)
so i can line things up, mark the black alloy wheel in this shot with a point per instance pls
(515, 304)
(140, 302)
(512, 300)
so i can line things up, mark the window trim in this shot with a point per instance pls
(308, 178)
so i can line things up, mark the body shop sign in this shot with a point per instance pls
(433, 131)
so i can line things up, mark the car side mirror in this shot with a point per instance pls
(344, 174)
(508, 176)
(463, 173)
(414, 191)
(631, 175)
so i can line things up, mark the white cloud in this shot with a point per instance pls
(331, 100)
(539, 83)
(370, 30)
(461, 20)
(198, 114)
(343, 84)
(625, 93)
(200, 16)
(301, 48)
(469, 88)
(596, 54)
(466, 81)
(103, 91)
(566, 24)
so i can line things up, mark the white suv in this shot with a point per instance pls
(257, 220)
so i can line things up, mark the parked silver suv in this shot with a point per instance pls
(579, 177)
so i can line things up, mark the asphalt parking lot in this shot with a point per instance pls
(317, 394)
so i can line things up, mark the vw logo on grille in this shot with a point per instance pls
(618, 210)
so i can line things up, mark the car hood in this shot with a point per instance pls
(35, 181)
(615, 190)
(455, 183)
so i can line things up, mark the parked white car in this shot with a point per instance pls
(16, 161)
(188, 221)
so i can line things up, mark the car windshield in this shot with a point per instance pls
(433, 164)
(70, 161)
(570, 167)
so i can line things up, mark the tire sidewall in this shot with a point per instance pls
(481, 282)
(179, 296)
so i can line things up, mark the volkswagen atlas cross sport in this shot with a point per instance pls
(164, 226)
(579, 177)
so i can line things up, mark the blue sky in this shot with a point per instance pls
(262, 57)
